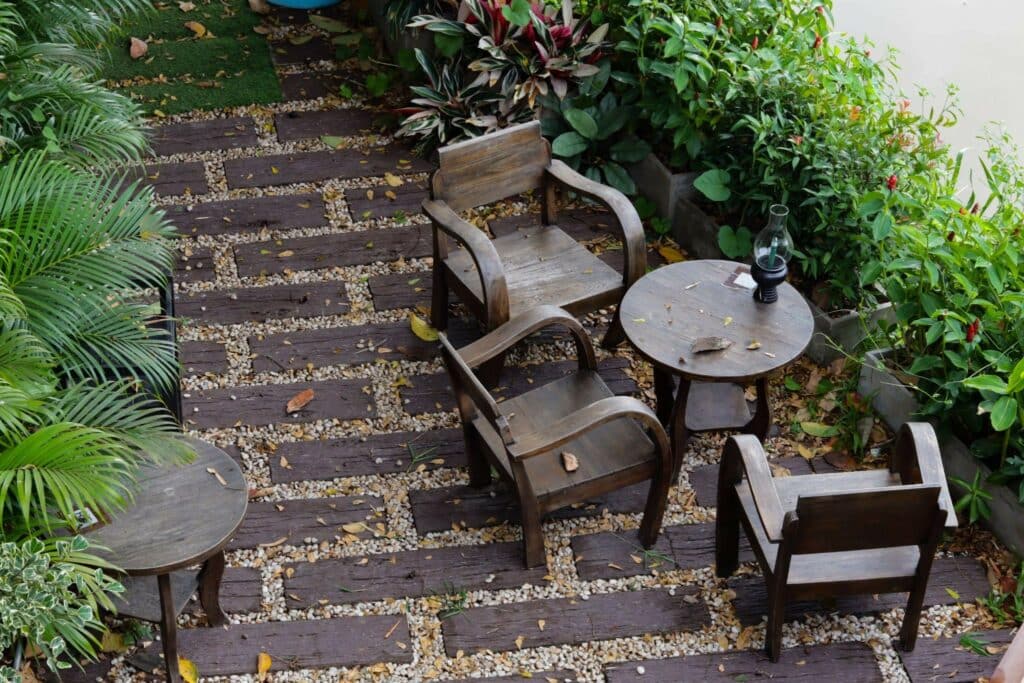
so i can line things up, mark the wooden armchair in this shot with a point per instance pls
(524, 437)
(824, 535)
(502, 278)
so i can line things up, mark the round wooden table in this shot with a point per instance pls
(666, 311)
(181, 516)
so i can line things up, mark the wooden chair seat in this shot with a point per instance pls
(543, 265)
(618, 450)
(524, 437)
(826, 535)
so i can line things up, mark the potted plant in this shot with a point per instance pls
(952, 273)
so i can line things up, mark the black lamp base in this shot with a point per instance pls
(767, 282)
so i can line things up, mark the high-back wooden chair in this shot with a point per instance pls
(826, 535)
(502, 278)
(525, 437)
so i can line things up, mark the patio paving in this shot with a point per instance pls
(364, 555)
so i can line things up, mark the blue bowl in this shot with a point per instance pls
(303, 4)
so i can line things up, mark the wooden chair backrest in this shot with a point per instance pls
(469, 390)
(859, 520)
(491, 167)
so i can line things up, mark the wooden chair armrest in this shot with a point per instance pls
(916, 457)
(743, 454)
(633, 242)
(585, 419)
(481, 250)
(523, 325)
(1011, 666)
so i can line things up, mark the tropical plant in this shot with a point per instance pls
(514, 54)
(589, 131)
(50, 96)
(398, 13)
(49, 598)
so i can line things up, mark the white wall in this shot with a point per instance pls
(977, 44)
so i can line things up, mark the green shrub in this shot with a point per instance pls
(49, 602)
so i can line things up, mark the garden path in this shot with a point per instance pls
(364, 556)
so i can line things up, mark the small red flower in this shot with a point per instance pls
(718, 22)
(820, 9)
(754, 43)
(561, 35)
(963, 211)
(972, 330)
(867, 53)
(891, 182)
(817, 41)
(796, 139)
(950, 236)
(976, 209)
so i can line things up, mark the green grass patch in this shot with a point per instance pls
(229, 66)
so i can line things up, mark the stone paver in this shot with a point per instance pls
(246, 215)
(574, 620)
(376, 454)
(203, 357)
(290, 522)
(400, 290)
(946, 660)
(204, 136)
(298, 125)
(292, 645)
(384, 201)
(350, 345)
(171, 179)
(307, 167)
(310, 86)
(243, 304)
(962, 577)
(329, 251)
(410, 574)
(849, 662)
(339, 399)
(462, 507)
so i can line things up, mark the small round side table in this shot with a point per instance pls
(182, 516)
(670, 308)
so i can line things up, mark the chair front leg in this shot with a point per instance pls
(439, 297)
(479, 467)
(654, 511)
(776, 618)
(615, 334)
(209, 589)
(727, 533)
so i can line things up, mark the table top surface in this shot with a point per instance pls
(181, 514)
(668, 309)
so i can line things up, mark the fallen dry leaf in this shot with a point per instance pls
(570, 462)
(540, 624)
(214, 472)
(670, 254)
(187, 670)
(705, 344)
(137, 48)
(259, 6)
(263, 663)
(519, 642)
(754, 345)
(197, 29)
(186, 6)
(299, 401)
(274, 544)
(353, 527)
(422, 329)
(393, 180)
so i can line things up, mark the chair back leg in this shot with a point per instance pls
(439, 298)
(479, 467)
(654, 511)
(777, 594)
(615, 334)
(727, 517)
(912, 616)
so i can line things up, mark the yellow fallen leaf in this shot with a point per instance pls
(390, 194)
(353, 527)
(198, 29)
(746, 635)
(286, 253)
(112, 642)
(422, 329)
(727, 320)
(670, 254)
(369, 194)
(263, 663)
(519, 642)
(188, 671)
(393, 180)
(274, 170)
(186, 6)
(540, 624)
(805, 452)
(754, 345)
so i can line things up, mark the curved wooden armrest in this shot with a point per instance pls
(916, 457)
(523, 325)
(585, 419)
(481, 250)
(633, 244)
(1011, 666)
(743, 454)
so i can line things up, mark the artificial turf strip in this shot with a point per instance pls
(181, 71)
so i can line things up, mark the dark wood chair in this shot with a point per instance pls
(826, 535)
(524, 437)
(502, 278)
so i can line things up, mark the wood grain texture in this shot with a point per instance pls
(662, 319)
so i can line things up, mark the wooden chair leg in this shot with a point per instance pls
(727, 535)
(533, 536)
(654, 511)
(615, 334)
(439, 299)
(776, 617)
(912, 617)
(209, 589)
(479, 467)
(168, 628)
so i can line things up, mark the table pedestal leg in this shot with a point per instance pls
(761, 422)
(168, 628)
(679, 433)
(209, 589)
(664, 394)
